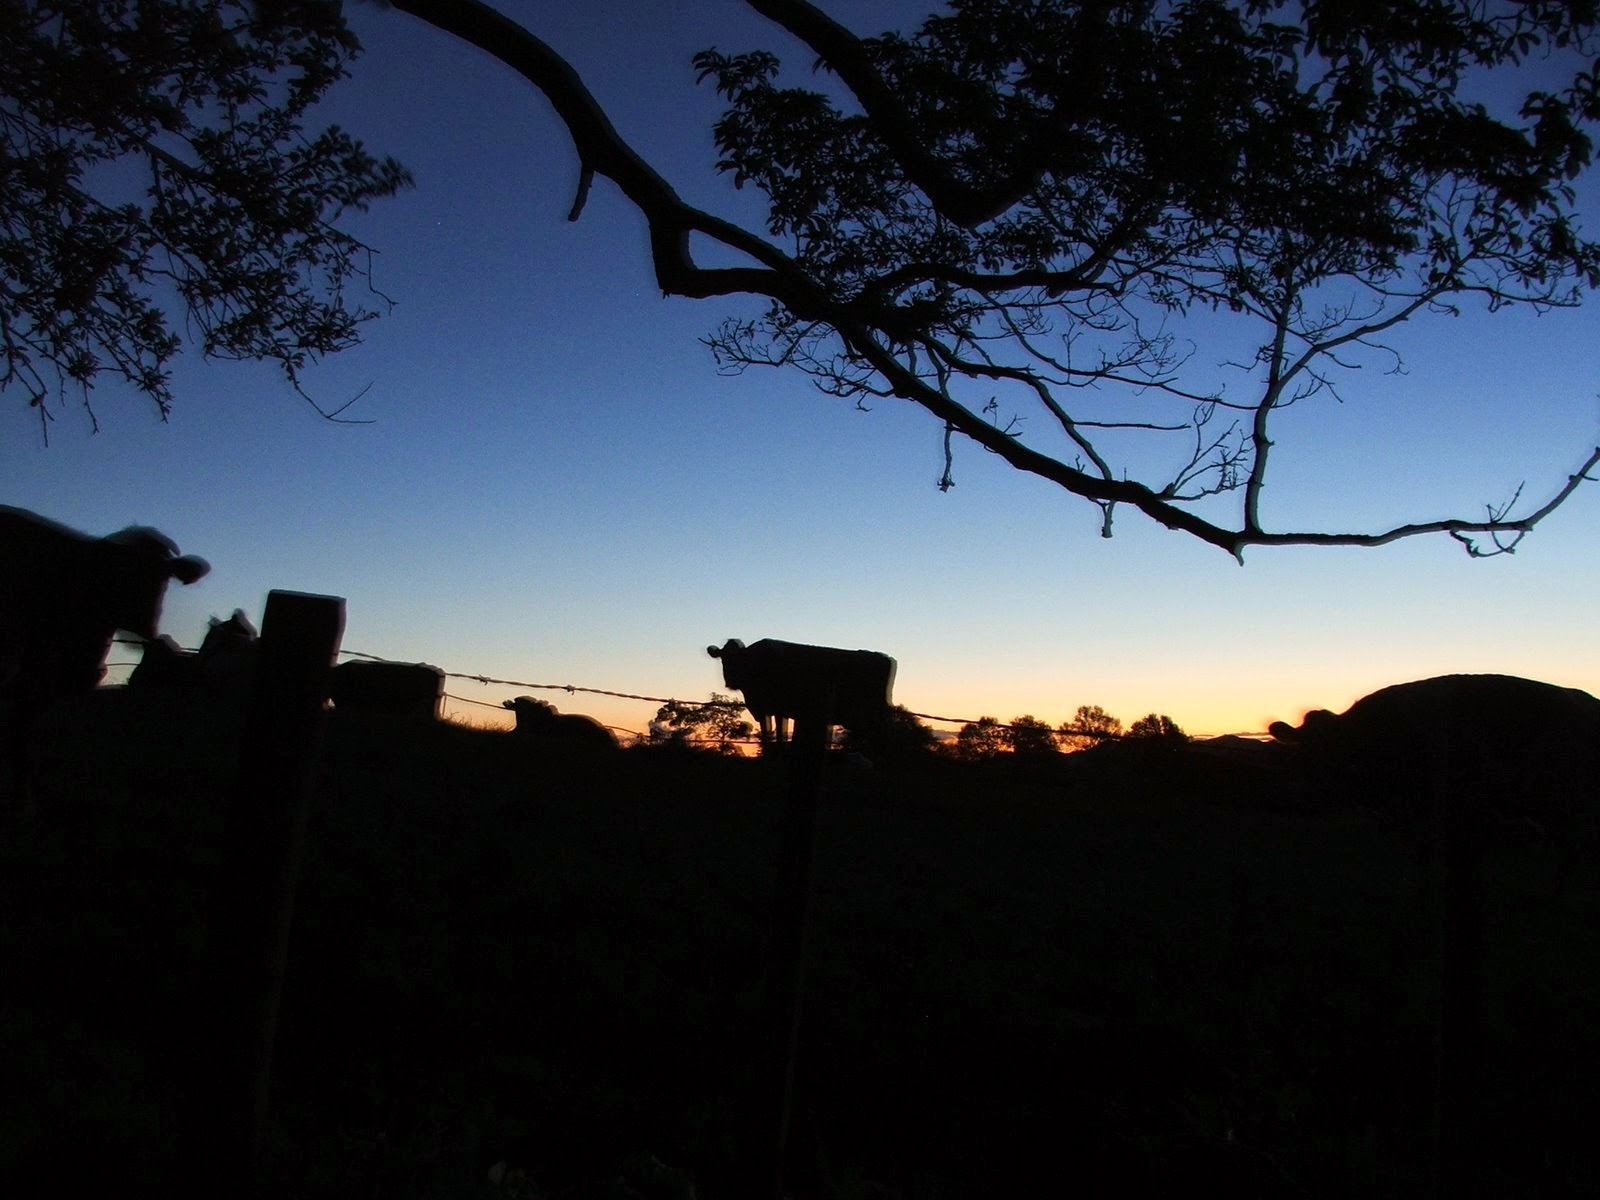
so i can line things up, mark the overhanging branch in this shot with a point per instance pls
(955, 199)
(865, 330)
(603, 151)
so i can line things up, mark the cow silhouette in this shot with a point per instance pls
(165, 666)
(391, 688)
(225, 662)
(1520, 750)
(539, 724)
(63, 596)
(785, 680)
(1514, 729)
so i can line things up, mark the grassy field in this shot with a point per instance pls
(1153, 972)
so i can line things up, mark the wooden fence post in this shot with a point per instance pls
(819, 687)
(1458, 800)
(278, 753)
(786, 967)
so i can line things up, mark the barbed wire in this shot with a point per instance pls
(569, 688)
(573, 689)
(501, 706)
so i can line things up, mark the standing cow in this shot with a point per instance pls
(785, 680)
(63, 596)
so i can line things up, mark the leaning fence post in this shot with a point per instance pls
(1457, 802)
(819, 687)
(790, 930)
(266, 824)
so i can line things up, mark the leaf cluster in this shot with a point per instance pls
(901, 736)
(1089, 727)
(1157, 727)
(981, 740)
(1147, 131)
(1013, 209)
(157, 151)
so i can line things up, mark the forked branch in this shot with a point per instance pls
(879, 320)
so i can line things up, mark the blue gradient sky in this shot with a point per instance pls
(557, 486)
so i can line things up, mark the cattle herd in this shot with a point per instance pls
(1533, 747)
(64, 595)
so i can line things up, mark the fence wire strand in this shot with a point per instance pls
(573, 689)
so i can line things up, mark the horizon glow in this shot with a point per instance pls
(559, 487)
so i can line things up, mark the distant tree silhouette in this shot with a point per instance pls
(718, 723)
(1029, 736)
(1157, 728)
(1081, 732)
(1024, 201)
(1024, 221)
(902, 735)
(980, 740)
(208, 102)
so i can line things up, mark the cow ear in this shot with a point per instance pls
(189, 568)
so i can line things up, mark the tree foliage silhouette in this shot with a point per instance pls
(1016, 219)
(1030, 737)
(903, 735)
(1091, 726)
(1157, 727)
(718, 723)
(200, 106)
(1026, 199)
(981, 740)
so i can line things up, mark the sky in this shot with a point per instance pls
(556, 486)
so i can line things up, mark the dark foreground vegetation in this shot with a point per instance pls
(1145, 968)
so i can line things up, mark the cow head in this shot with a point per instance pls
(531, 713)
(232, 635)
(730, 652)
(138, 562)
(1318, 723)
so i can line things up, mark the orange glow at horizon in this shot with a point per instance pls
(1199, 708)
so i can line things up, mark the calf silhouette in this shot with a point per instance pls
(539, 724)
(224, 663)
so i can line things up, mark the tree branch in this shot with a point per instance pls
(603, 151)
(869, 330)
(844, 53)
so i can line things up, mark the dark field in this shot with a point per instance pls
(1146, 973)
